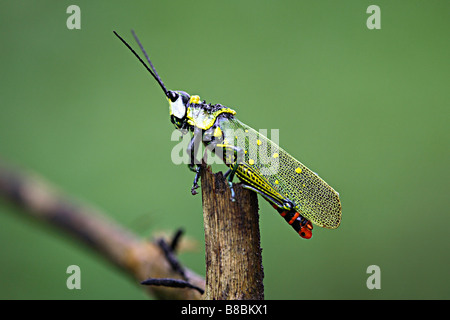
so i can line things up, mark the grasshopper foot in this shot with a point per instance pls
(230, 185)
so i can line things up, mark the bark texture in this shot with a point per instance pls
(233, 253)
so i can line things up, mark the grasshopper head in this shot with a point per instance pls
(178, 101)
(178, 104)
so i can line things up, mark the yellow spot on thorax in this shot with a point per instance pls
(251, 162)
(217, 132)
(194, 99)
(298, 170)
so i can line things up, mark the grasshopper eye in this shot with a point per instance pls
(172, 95)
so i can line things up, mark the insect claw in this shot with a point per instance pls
(193, 191)
(197, 176)
(230, 185)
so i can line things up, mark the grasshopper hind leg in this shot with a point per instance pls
(230, 184)
(229, 175)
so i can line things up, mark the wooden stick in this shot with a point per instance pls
(233, 254)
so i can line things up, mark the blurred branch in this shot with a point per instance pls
(138, 258)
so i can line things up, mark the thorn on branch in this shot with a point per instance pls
(172, 283)
(176, 239)
(169, 253)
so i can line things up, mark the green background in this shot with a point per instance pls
(366, 109)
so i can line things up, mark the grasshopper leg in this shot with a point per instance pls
(196, 178)
(193, 166)
(239, 155)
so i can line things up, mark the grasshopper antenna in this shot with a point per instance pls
(146, 56)
(153, 73)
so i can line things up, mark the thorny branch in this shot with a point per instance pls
(138, 258)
